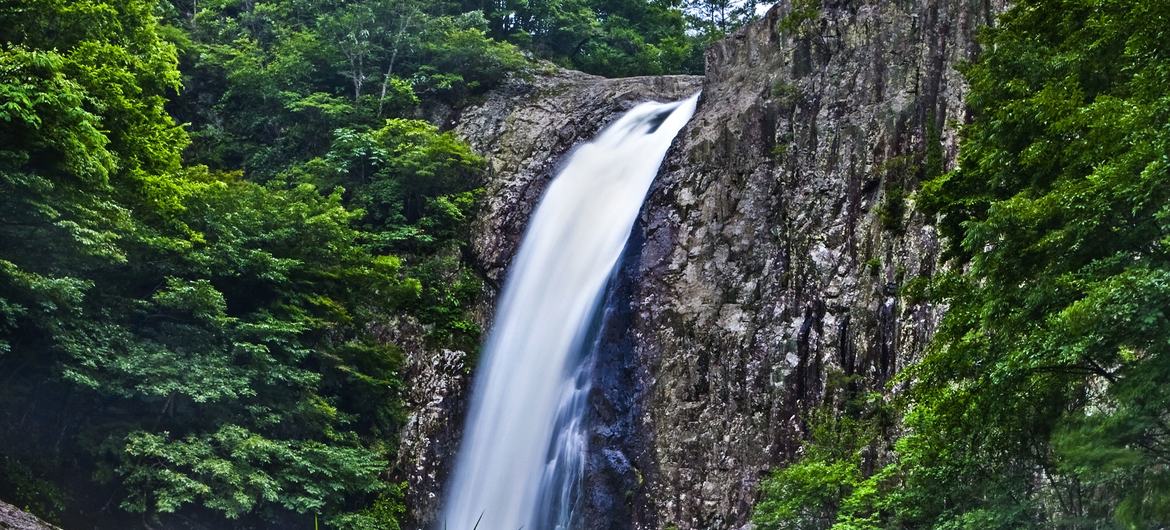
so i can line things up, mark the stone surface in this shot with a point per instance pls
(524, 129)
(12, 518)
(435, 395)
(527, 127)
(775, 255)
(779, 241)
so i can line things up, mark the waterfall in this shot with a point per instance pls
(523, 451)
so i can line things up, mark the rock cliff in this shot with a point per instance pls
(524, 129)
(776, 257)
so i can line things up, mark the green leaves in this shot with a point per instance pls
(1054, 206)
(185, 339)
(234, 470)
(1037, 404)
(270, 83)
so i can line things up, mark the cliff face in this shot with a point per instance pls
(781, 243)
(775, 258)
(524, 129)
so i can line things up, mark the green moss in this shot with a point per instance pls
(896, 173)
(916, 290)
(785, 94)
(798, 21)
(898, 168)
(893, 208)
(778, 151)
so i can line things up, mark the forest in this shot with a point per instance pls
(212, 209)
(215, 212)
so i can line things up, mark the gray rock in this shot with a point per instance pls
(527, 127)
(524, 129)
(435, 398)
(12, 518)
(769, 264)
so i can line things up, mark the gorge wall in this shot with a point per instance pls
(774, 257)
(782, 240)
(13, 518)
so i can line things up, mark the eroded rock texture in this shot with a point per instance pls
(782, 238)
(526, 129)
(12, 518)
(435, 397)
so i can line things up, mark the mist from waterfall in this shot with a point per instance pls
(522, 457)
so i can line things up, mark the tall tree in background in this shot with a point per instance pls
(714, 19)
(607, 37)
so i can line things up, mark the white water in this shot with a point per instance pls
(523, 451)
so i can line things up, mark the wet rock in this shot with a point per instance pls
(527, 127)
(524, 129)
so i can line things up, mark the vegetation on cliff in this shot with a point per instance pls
(1042, 402)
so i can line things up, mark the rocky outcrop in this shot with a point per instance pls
(781, 244)
(527, 127)
(775, 263)
(12, 518)
(434, 396)
(524, 128)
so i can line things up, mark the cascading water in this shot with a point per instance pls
(523, 451)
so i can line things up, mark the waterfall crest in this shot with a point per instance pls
(523, 451)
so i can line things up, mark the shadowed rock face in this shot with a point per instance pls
(775, 256)
(13, 519)
(525, 129)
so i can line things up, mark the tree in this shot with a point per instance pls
(607, 37)
(175, 340)
(715, 19)
(1038, 404)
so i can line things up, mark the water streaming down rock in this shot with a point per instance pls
(524, 445)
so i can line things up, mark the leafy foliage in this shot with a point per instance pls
(607, 37)
(1039, 403)
(210, 212)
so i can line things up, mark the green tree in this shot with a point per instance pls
(1059, 210)
(1039, 404)
(175, 340)
(607, 37)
